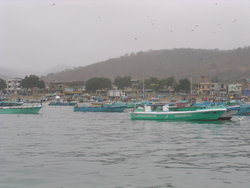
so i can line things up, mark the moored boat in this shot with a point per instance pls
(100, 108)
(244, 107)
(244, 110)
(34, 109)
(10, 103)
(59, 103)
(207, 114)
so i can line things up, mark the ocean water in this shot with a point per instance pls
(60, 148)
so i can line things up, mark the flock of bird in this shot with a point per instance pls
(171, 30)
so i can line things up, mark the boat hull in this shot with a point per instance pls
(100, 109)
(231, 111)
(20, 110)
(62, 104)
(203, 114)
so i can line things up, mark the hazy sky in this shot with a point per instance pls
(40, 34)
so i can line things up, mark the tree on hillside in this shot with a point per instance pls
(122, 82)
(184, 85)
(152, 83)
(96, 83)
(168, 82)
(3, 84)
(32, 81)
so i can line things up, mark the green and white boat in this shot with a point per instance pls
(20, 109)
(208, 114)
(10, 103)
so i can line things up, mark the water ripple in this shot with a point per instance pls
(60, 148)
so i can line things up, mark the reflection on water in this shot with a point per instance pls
(60, 148)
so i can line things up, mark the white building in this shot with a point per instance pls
(234, 88)
(13, 85)
(218, 88)
(115, 93)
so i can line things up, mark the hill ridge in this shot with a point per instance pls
(181, 63)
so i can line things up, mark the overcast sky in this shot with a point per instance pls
(40, 34)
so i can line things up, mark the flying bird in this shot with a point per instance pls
(53, 4)
(234, 20)
(135, 38)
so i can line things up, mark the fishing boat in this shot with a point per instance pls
(135, 104)
(10, 103)
(60, 103)
(34, 109)
(244, 110)
(99, 108)
(206, 114)
(244, 107)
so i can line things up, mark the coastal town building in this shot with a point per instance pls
(135, 83)
(218, 89)
(214, 88)
(247, 88)
(56, 87)
(13, 85)
(235, 88)
(115, 93)
(204, 88)
(101, 92)
(68, 88)
(131, 92)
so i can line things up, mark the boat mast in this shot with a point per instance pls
(143, 87)
(191, 90)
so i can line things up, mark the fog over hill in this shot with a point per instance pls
(182, 63)
(6, 73)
